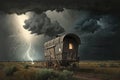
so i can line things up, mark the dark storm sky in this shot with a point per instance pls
(97, 22)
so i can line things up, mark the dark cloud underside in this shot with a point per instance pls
(100, 37)
(22, 6)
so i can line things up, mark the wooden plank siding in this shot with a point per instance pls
(58, 48)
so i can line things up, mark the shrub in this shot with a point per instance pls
(113, 65)
(102, 65)
(1, 66)
(86, 70)
(10, 70)
(65, 75)
(26, 66)
(44, 74)
(50, 74)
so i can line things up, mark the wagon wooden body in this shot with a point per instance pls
(63, 49)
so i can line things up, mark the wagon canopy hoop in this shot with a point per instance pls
(76, 37)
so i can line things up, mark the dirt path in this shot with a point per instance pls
(85, 77)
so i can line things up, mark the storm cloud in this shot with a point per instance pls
(97, 22)
(39, 6)
(41, 24)
(100, 37)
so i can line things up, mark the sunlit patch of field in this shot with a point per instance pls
(108, 70)
(101, 66)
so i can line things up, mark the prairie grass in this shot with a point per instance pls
(109, 70)
(10, 70)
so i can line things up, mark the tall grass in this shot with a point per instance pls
(10, 70)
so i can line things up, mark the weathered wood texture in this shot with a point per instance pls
(62, 48)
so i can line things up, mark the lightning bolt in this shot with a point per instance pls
(22, 34)
(28, 54)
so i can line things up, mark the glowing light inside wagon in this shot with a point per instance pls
(70, 46)
(60, 50)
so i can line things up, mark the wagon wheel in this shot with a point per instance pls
(48, 64)
(75, 66)
(56, 65)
